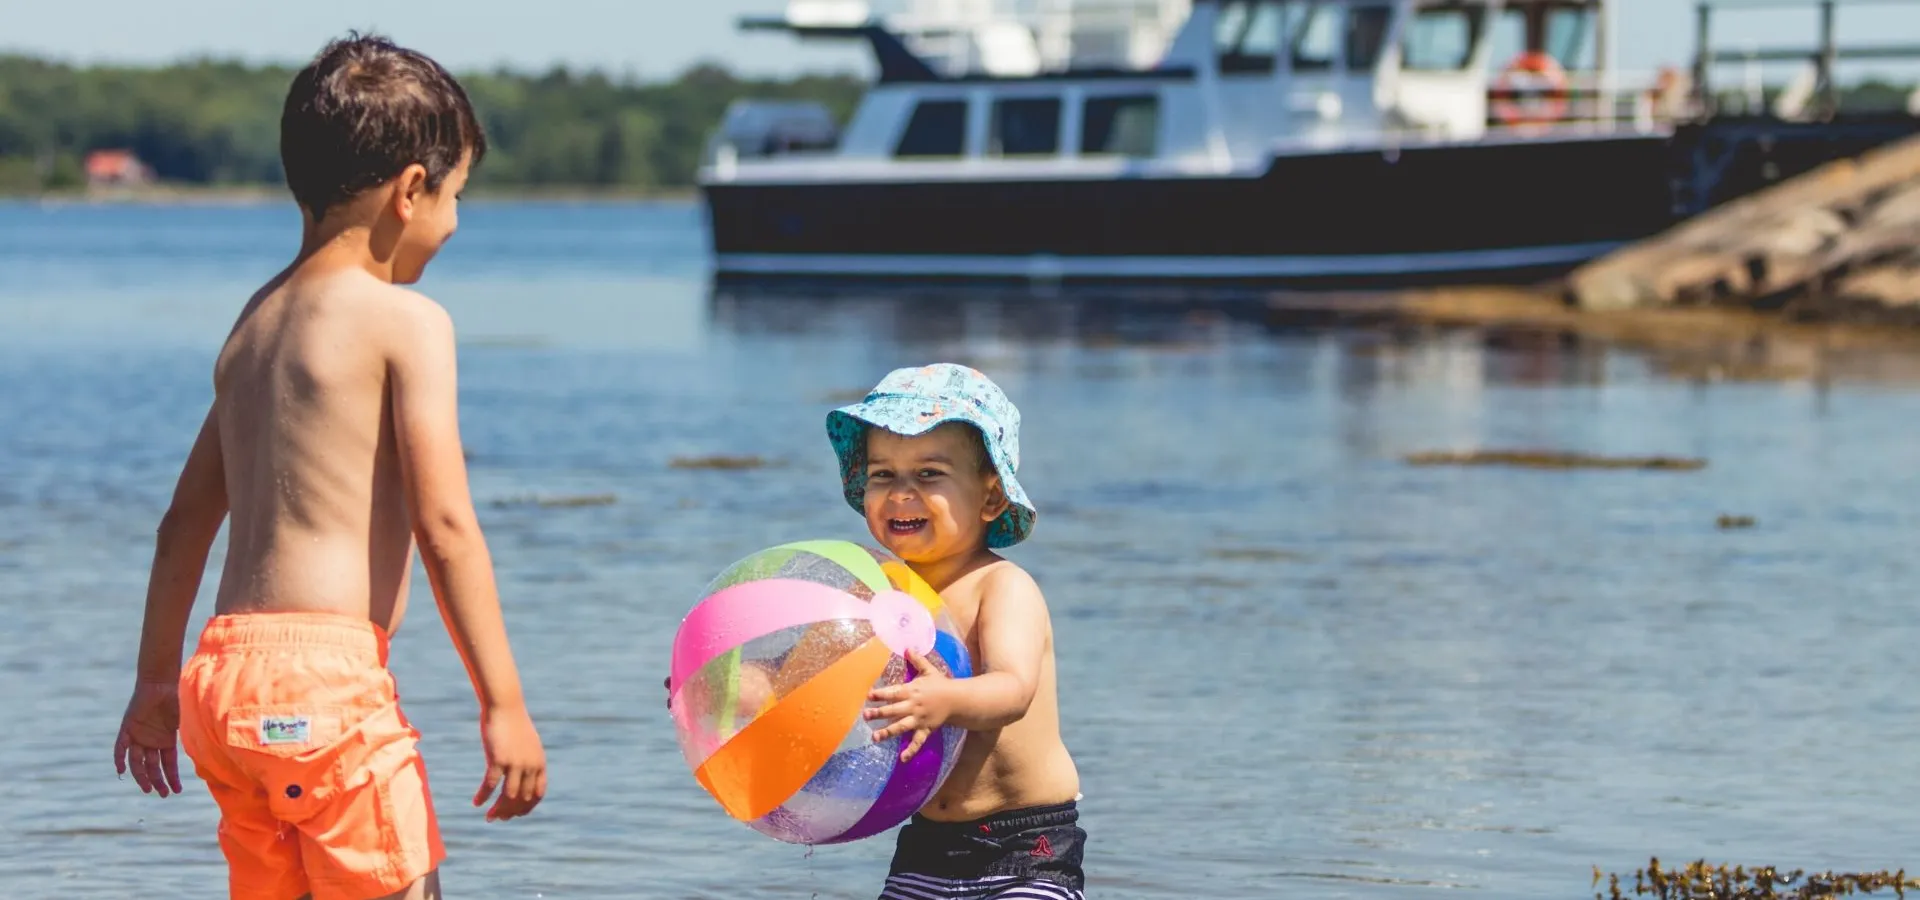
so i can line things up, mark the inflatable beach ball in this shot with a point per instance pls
(771, 671)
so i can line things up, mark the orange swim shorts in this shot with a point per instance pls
(293, 722)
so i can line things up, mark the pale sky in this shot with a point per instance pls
(656, 38)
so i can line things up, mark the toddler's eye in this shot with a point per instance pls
(930, 473)
(879, 474)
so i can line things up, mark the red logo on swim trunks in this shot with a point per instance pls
(1042, 848)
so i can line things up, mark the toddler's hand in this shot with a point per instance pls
(516, 763)
(920, 705)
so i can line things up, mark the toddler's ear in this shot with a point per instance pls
(996, 501)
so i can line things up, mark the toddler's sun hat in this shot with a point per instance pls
(914, 401)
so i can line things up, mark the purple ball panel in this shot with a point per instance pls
(907, 789)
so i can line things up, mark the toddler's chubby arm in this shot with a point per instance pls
(422, 376)
(149, 729)
(1013, 628)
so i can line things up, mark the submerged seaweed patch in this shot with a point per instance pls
(1552, 459)
(559, 501)
(844, 395)
(721, 462)
(1255, 554)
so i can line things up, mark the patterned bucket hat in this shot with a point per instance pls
(912, 402)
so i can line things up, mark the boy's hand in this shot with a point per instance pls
(920, 705)
(516, 763)
(148, 733)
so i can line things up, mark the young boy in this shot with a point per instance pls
(929, 458)
(333, 443)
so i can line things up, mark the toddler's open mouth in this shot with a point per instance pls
(906, 526)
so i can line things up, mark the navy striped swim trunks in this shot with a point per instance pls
(1022, 854)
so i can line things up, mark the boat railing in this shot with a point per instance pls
(1584, 105)
(1642, 101)
(1820, 90)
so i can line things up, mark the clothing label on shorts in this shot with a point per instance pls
(284, 730)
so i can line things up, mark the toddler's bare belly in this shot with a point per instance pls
(1041, 777)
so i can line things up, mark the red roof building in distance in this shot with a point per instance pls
(116, 167)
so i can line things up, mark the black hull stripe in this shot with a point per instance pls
(1043, 268)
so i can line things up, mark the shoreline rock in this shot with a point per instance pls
(1837, 244)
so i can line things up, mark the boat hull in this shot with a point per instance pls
(1486, 213)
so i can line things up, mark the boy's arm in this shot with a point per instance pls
(147, 739)
(422, 374)
(1013, 639)
(181, 545)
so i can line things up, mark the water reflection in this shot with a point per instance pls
(936, 315)
(1358, 351)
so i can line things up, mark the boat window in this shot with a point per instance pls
(1123, 126)
(1263, 31)
(1229, 24)
(1247, 35)
(1366, 35)
(938, 128)
(1028, 127)
(1441, 39)
(1567, 36)
(1314, 29)
(1508, 36)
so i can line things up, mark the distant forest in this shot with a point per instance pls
(216, 123)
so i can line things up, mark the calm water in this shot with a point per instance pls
(1290, 663)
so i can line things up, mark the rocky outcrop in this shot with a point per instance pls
(1839, 243)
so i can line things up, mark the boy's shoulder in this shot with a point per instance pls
(390, 312)
(424, 312)
(414, 335)
(351, 291)
(385, 296)
(357, 314)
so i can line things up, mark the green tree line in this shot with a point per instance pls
(216, 123)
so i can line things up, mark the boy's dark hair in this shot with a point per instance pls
(365, 109)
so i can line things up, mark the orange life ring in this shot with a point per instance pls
(1546, 83)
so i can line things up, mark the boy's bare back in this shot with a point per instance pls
(329, 389)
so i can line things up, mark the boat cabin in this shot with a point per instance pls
(1241, 82)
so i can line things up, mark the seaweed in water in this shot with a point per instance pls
(719, 462)
(565, 501)
(844, 395)
(1553, 459)
(1700, 881)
